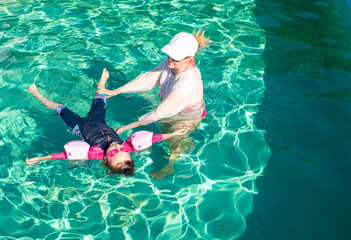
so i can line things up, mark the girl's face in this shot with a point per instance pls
(116, 154)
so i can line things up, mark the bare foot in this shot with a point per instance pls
(164, 172)
(46, 102)
(104, 76)
(33, 89)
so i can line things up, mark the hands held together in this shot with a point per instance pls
(109, 93)
(101, 85)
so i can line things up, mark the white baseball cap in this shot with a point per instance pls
(181, 46)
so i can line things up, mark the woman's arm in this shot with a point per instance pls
(178, 132)
(109, 93)
(38, 159)
(143, 82)
(176, 101)
(121, 129)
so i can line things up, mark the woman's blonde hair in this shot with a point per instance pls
(201, 39)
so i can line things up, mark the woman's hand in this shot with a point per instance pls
(109, 93)
(121, 129)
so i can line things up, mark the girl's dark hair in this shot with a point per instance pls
(125, 167)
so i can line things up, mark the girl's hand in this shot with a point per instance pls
(180, 132)
(33, 160)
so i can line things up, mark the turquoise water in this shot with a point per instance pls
(62, 46)
(305, 192)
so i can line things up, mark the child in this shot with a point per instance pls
(100, 141)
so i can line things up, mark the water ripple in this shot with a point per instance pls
(62, 47)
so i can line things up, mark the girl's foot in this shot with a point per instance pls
(33, 90)
(46, 102)
(104, 76)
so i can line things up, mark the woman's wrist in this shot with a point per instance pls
(116, 91)
(136, 124)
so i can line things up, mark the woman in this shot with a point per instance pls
(180, 90)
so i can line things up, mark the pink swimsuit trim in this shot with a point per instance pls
(128, 145)
(61, 155)
(204, 113)
(195, 106)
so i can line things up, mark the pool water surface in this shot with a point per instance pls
(62, 46)
(305, 191)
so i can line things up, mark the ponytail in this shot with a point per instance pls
(201, 39)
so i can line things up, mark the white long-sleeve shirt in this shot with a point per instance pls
(181, 94)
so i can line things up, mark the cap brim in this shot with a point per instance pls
(171, 51)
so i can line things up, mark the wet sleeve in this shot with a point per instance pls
(143, 82)
(61, 155)
(177, 100)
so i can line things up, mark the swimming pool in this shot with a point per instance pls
(62, 46)
(277, 90)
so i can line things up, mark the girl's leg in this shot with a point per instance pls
(70, 119)
(104, 76)
(46, 102)
(98, 107)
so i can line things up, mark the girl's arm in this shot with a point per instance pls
(141, 140)
(52, 156)
(38, 159)
(178, 132)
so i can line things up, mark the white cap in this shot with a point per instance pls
(181, 46)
